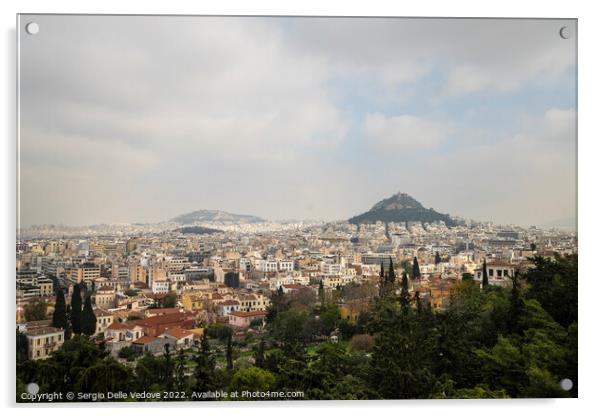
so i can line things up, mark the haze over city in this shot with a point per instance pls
(141, 120)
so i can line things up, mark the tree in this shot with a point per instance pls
(59, 316)
(382, 282)
(229, 361)
(415, 269)
(437, 258)
(88, 324)
(404, 297)
(22, 346)
(485, 276)
(204, 371)
(553, 283)
(321, 294)
(168, 368)
(181, 382)
(391, 280)
(288, 326)
(252, 379)
(170, 300)
(76, 309)
(260, 354)
(35, 311)
(127, 353)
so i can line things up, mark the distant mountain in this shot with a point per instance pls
(205, 216)
(400, 208)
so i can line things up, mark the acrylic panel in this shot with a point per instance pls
(295, 208)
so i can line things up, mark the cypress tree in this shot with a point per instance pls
(168, 376)
(204, 372)
(59, 317)
(415, 269)
(229, 361)
(180, 371)
(88, 318)
(404, 299)
(391, 272)
(321, 293)
(437, 258)
(418, 302)
(260, 355)
(382, 281)
(68, 328)
(485, 277)
(76, 309)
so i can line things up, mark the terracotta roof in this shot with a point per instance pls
(179, 332)
(144, 340)
(44, 331)
(248, 314)
(117, 325)
(230, 302)
(162, 311)
(165, 319)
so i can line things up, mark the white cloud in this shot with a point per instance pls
(160, 115)
(405, 132)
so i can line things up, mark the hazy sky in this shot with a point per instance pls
(139, 119)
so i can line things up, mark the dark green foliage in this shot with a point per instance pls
(127, 353)
(168, 368)
(494, 343)
(88, 318)
(415, 269)
(130, 292)
(205, 378)
(252, 379)
(485, 281)
(76, 310)
(411, 210)
(229, 361)
(169, 301)
(553, 283)
(181, 380)
(218, 331)
(22, 347)
(404, 298)
(59, 316)
(260, 354)
(198, 230)
(35, 311)
(321, 294)
(466, 276)
(437, 258)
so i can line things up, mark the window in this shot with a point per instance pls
(491, 272)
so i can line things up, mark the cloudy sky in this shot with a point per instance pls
(140, 119)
